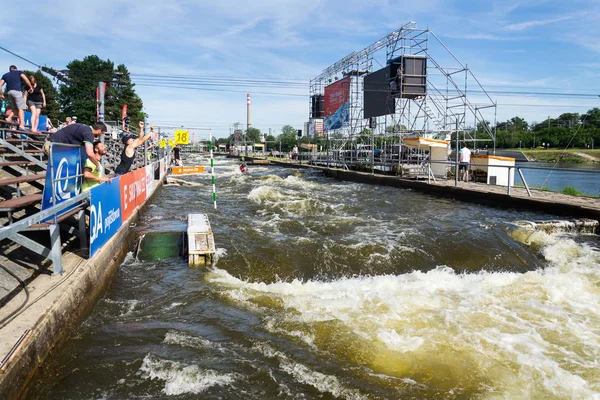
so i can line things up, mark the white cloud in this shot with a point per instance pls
(529, 24)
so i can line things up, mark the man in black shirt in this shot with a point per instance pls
(177, 156)
(82, 135)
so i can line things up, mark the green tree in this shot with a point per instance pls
(591, 118)
(52, 110)
(79, 96)
(289, 130)
(120, 92)
(253, 135)
(518, 124)
(364, 136)
(288, 138)
(483, 126)
(395, 128)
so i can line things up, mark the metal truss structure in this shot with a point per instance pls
(455, 104)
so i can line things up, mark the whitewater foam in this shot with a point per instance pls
(534, 333)
(180, 378)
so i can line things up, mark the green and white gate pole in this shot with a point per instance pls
(212, 170)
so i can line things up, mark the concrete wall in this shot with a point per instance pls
(85, 285)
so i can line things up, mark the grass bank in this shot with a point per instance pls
(572, 156)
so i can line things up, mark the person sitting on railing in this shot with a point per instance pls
(131, 143)
(49, 127)
(93, 174)
(78, 134)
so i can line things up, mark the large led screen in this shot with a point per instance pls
(377, 99)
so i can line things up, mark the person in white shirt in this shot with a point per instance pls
(465, 159)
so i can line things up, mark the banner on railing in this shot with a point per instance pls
(149, 169)
(163, 168)
(42, 121)
(127, 194)
(140, 186)
(105, 213)
(64, 174)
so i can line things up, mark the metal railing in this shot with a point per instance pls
(396, 163)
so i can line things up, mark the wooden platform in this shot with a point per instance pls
(19, 202)
(22, 179)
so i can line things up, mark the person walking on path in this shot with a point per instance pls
(465, 159)
(79, 134)
(14, 87)
(92, 174)
(131, 143)
(35, 101)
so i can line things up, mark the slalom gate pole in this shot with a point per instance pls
(212, 170)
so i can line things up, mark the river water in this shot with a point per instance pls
(583, 177)
(329, 289)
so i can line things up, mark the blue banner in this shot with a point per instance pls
(105, 213)
(339, 119)
(43, 120)
(65, 166)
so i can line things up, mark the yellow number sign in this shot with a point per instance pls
(171, 143)
(162, 144)
(182, 136)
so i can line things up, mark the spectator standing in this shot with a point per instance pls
(79, 134)
(177, 156)
(67, 122)
(35, 101)
(465, 159)
(131, 143)
(93, 174)
(14, 87)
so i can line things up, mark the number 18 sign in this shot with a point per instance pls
(182, 136)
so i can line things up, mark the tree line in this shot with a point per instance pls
(286, 140)
(567, 130)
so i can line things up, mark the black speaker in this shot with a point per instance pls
(372, 122)
(299, 132)
(408, 76)
(317, 105)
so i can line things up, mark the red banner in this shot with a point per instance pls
(127, 195)
(140, 186)
(336, 95)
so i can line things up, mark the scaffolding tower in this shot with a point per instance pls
(455, 104)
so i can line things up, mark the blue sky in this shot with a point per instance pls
(530, 46)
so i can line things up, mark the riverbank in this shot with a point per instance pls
(572, 156)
